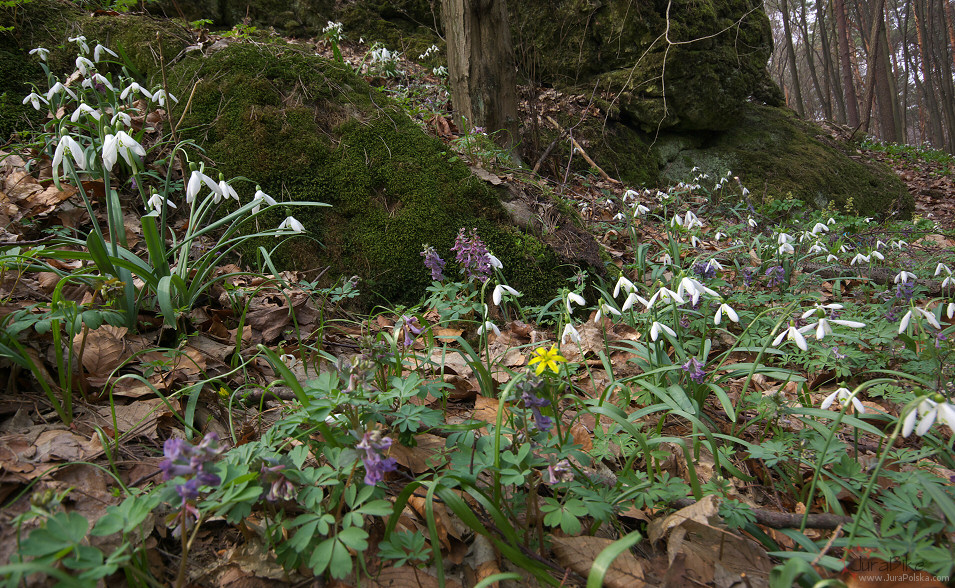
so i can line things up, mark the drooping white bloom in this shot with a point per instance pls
(900, 244)
(820, 228)
(632, 299)
(832, 258)
(120, 144)
(730, 314)
(676, 221)
(949, 279)
(718, 236)
(655, 329)
(81, 42)
(228, 191)
(85, 108)
(625, 284)
(950, 310)
(135, 88)
(823, 328)
(604, 309)
(101, 79)
(155, 203)
(35, 99)
(161, 96)
(639, 210)
(99, 50)
(292, 224)
(576, 299)
(495, 262)
(665, 294)
(691, 220)
(938, 268)
(195, 184)
(928, 411)
(569, 333)
(859, 258)
(880, 244)
(816, 248)
(258, 198)
(844, 395)
(783, 238)
(489, 327)
(695, 241)
(786, 248)
(751, 222)
(84, 65)
(75, 149)
(792, 334)
(499, 291)
(831, 221)
(904, 276)
(695, 289)
(42, 52)
(629, 194)
(930, 317)
(122, 118)
(619, 216)
(665, 259)
(57, 88)
(876, 255)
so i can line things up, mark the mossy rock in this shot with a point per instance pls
(717, 62)
(776, 155)
(308, 129)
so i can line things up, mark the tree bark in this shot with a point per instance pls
(796, 103)
(852, 102)
(481, 67)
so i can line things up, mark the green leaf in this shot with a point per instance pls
(607, 556)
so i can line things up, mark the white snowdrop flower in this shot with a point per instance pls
(619, 216)
(792, 334)
(718, 236)
(663, 295)
(783, 238)
(843, 395)
(656, 328)
(694, 170)
(695, 241)
(714, 265)
(640, 210)
(120, 144)
(928, 411)
(81, 43)
(99, 50)
(228, 191)
(121, 118)
(751, 222)
(135, 88)
(938, 268)
(745, 192)
(694, 288)
(195, 184)
(832, 258)
(907, 318)
(35, 99)
(730, 314)
(900, 244)
(573, 297)
(880, 244)
(876, 255)
(84, 65)
(843, 249)
(292, 224)
(494, 262)
(786, 248)
(629, 194)
(823, 328)
(161, 96)
(604, 309)
(859, 258)
(624, 284)
(258, 198)
(489, 327)
(65, 143)
(632, 299)
(666, 259)
(289, 360)
(816, 248)
(868, 219)
(950, 310)
(155, 203)
(691, 220)
(85, 108)
(499, 291)
(57, 88)
(42, 52)
(569, 333)
(99, 78)
(820, 228)
(831, 221)
(676, 221)
(904, 276)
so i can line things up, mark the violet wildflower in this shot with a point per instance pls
(472, 254)
(195, 463)
(694, 368)
(905, 291)
(704, 270)
(776, 275)
(280, 488)
(433, 262)
(559, 472)
(535, 403)
(408, 325)
(373, 444)
(748, 275)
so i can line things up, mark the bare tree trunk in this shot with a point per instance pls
(852, 101)
(809, 47)
(943, 55)
(796, 102)
(832, 58)
(481, 67)
(929, 97)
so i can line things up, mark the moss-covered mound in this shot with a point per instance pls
(691, 71)
(308, 129)
(777, 155)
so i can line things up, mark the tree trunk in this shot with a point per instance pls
(929, 97)
(481, 67)
(852, 102)
(796, 102)
(832, 58)
(809, 46)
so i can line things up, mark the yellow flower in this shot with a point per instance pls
(546, 358)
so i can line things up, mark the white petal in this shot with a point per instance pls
(829, 400)
(909, 423)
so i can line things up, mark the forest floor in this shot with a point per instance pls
(115, 441)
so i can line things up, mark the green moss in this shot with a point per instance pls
(408, 26)
(307, 129)
(777, 155)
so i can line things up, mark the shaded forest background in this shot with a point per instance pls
(882, 66)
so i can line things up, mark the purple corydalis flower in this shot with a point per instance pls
(280, 488)
(373, 444)
(776, 275)
(433, 262)
(704, 270)
(905, 291)
(410, 328)
(535, 403)
(748, 275)
(183, 459)
(472, 254)
(559, 472)
(694, 368)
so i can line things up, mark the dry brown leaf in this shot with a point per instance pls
(64, 445)
(422, 457)
(447, 335)
(578, 554)
(407, 576)
(582, 437)
(103, 349)
(420, 505)
(141, 416)
(485, 409)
